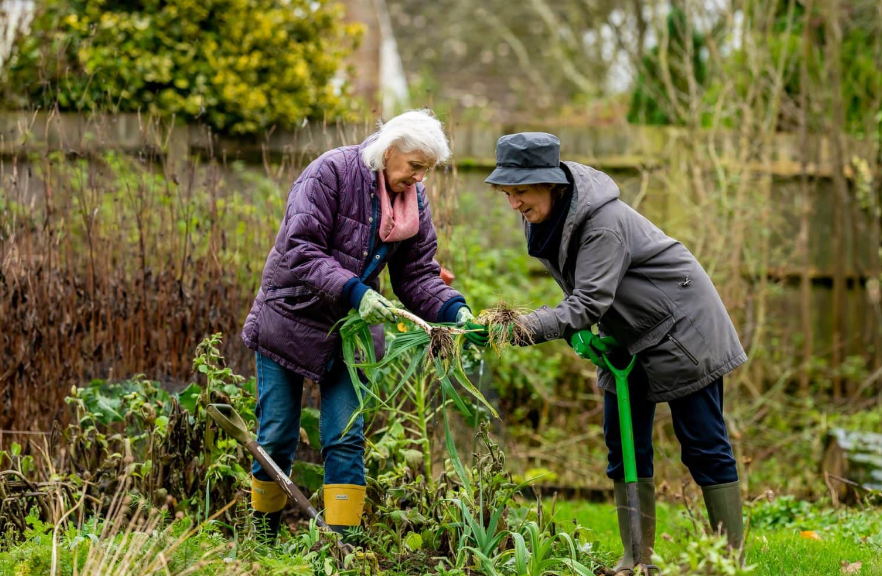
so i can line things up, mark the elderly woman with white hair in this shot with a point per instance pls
(351, 213)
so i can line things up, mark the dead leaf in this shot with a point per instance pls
(810, 535)
(852, 568)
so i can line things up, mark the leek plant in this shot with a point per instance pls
(424, 361)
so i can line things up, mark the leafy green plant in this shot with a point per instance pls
(436, 347)
(134, 539)
(537, 558)
(418, 364)
(483, 539)
(534, 554)
(14, 461)
(242, 67)
(781, 512)
(704, 554)
(862, 526)
(158, 442)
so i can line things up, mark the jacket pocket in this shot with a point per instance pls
(676, 360)
(291, 300)
(640, 315)
(652, 336)
(683, 349)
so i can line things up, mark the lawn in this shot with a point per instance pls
(792, 537)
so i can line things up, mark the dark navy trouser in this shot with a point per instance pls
(698, 424)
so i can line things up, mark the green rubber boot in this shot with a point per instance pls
(723, 503)
(646, 495)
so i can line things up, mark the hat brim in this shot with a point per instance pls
(511, 176)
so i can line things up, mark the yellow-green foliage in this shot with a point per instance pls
(240, 65)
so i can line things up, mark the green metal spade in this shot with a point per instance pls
(629, 460)
(626, 428)
(230, 422)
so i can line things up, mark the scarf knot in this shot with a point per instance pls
(399, 213)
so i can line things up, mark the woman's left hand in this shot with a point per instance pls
(374, 309)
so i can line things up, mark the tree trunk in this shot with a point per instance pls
(805, 284)
(840, 189)
(852, 457)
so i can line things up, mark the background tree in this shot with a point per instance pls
(656, 99)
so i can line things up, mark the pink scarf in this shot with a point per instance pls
(399, 215)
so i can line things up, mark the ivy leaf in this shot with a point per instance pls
(189, 397)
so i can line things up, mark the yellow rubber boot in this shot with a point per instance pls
(344, 504)
(267, 502)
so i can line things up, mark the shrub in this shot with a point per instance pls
(239, 65)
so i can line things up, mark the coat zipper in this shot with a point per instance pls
(683, 349)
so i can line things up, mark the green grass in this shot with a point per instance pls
(775, 548)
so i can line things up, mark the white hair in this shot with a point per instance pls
(410, 131)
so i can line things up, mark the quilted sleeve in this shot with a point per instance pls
(309, 220)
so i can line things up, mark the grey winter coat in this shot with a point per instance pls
(618, 270)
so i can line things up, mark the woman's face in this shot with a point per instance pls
(403, 169)
(534, 201)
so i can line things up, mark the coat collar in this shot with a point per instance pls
(591, 190)
(368, 176)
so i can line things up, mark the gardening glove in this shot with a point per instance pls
(589, 346)
(477, 333)
(479, 337)
(374, 309)
(463, 315)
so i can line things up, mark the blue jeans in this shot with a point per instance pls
(279, 396)
(698, 424)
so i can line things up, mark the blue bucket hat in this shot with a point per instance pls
(527, 158)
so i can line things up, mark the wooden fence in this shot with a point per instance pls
(842, 304)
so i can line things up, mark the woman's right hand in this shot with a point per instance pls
(374, 309)
(477, 333)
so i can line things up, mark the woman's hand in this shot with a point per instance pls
(590, 346)
(374, 309)
(583, 344)
(477, 333)
(464, 315)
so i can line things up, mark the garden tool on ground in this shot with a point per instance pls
(595, 348)
(230, 422)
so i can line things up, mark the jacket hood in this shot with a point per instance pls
(592, 189)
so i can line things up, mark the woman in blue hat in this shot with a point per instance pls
(621, 272)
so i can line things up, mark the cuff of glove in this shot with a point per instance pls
(450, 309)
(354, 290)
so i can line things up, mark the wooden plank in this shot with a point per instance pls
(610, 147)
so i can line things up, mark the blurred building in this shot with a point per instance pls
(14, 15)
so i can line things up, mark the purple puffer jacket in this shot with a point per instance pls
(323, 243)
